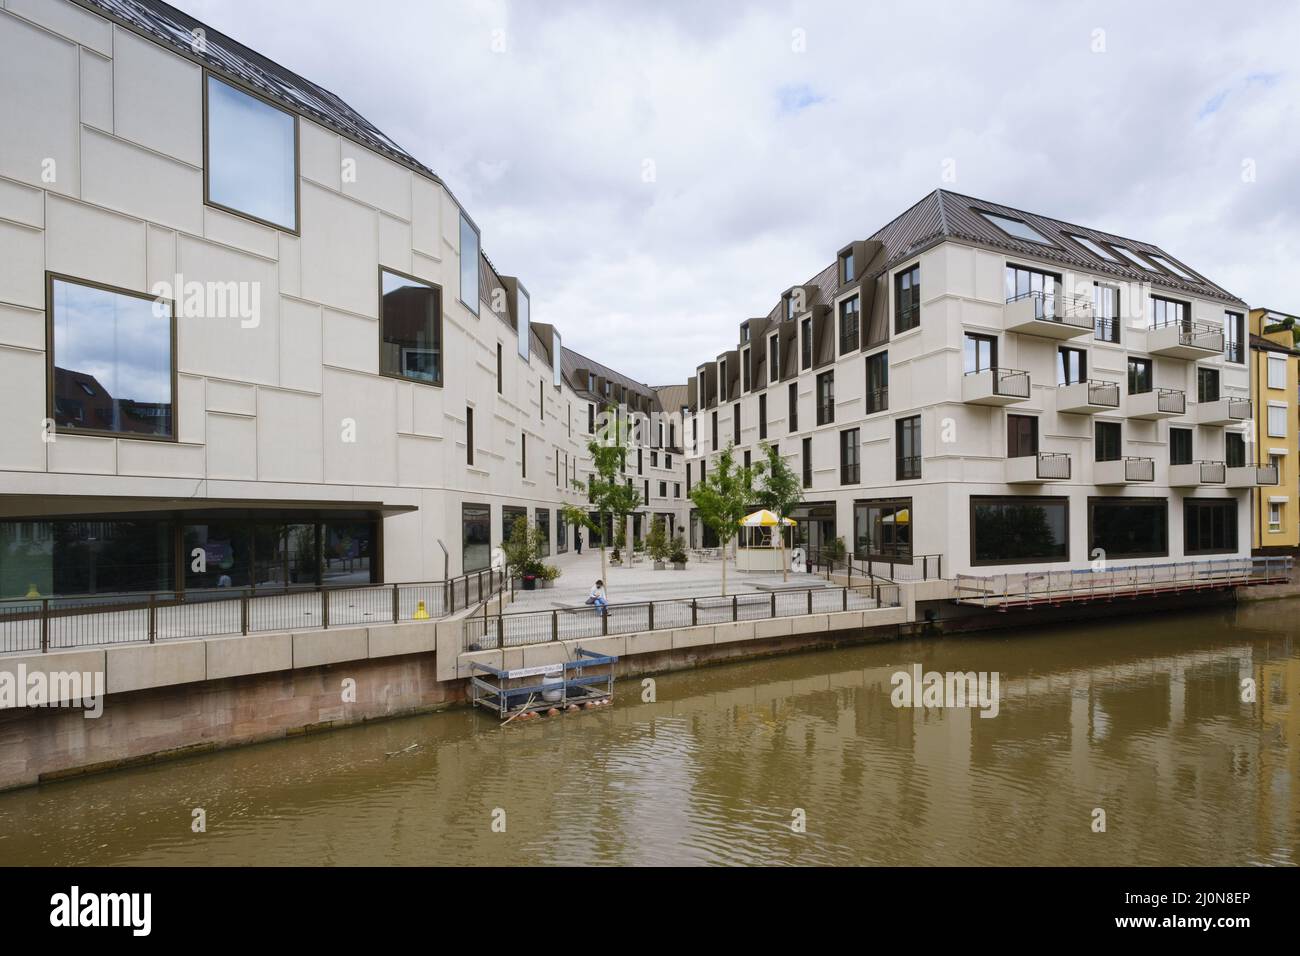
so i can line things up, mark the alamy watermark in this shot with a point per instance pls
(211, 300)
(42, 688)
(956, 689)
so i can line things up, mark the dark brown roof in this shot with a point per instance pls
(1261, 344)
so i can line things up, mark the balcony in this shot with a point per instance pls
(1036, 469)
(1049, 315)
(1197, 473)
(1087, 398)
(1251, 476)
(1224, 411)
(1123, 471)
(1157, 403)
(1185, 340)
(995, 386)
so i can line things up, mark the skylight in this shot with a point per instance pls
(1097, 249)
(1134, 259)
(1014, 227)
(1173, 267)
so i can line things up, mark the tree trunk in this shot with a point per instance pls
(785, 565)
(604, 567)
(723, 552)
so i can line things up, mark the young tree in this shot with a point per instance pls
(723, 498)
(610, 494)
(657, 544)
(779, 491)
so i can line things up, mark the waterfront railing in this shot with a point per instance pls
(54, 623)
(1107, 582)
(494, 631)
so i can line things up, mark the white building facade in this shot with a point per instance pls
(246, 340)
(999, 391)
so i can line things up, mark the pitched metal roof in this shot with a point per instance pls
(942, 215)
(174, 29)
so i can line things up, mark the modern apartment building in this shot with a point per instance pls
(246, 339)
(1004, 390)
(1275, 514)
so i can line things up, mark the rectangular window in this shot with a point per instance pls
(907, 448)
(1012, 530)
(541, 401)
(773, 359)
(805, 344)
(850, 469)
(677, 489)
(591, 419)
(1128, 527)
(251, 156)
(1139, 376)
(663, 489)
(792, 398)
(1277, 371)
(882, 528)
(557, 353)
(1180, 446)
(1021, 283)
(1234, 337)
(523, 320)
(1210, 525)
(1071, 366)
(543, 519)
(523, 454)
(979, 353)
(110, 367)
(654, 459)
(1105, 304)
(475, 537)
(847, 274)
(745, 371)
(1207, 384)
(688, 478)
(1170, 312)
(1108, 441)
(640, 461)
(499, 369)
(469, 436)
(807, 462)
(722, 381)
(410, 328)
(1234, 449)
(825, 398)
(907, 299)
(715, 432)
(735, 423)
(469, 243)
(762, 416)
(561, 535)
(849, 325)
(747, 458)
(1276, 421)
(1276, 461)
(1022, 436)
(1275, 516)
(877, 382)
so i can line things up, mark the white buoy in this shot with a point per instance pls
(552, 687)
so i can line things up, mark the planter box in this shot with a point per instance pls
(659, 565)
(530, 584)
(679, 567)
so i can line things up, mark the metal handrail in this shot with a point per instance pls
(1053, 460)
(1000, 377)
(1095, 389)
(494, 631)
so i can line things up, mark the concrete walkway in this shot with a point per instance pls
(641, 582)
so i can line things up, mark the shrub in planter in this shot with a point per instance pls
(547, 574)
(677, 554)
(657, 544)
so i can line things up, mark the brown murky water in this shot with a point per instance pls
(1141, 718)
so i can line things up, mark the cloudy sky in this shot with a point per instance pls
(658, 172)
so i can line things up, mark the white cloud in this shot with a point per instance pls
(767, 160)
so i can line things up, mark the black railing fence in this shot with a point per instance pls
(53, 623)
(495, 631)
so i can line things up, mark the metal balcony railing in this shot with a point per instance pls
(1053, 464)
(1010, 382)
(1171, 400)
(1099, 393)
(1200, 335)
(1139, 469)
(1074, 311)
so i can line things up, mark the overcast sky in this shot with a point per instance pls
(657, 173)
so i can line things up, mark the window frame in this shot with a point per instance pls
(241, 87)
(1147, 501)
(851, 456)
(1274, 361)
(878, 360)
(1109, 427)
(972, 501)
(1016, 419)
(1191, 445)
(442, 341)
(1191, 505)
(901, 426)
(50, 279)
(826, 404)
(1149, 365)
(842, 311)
(913, 274)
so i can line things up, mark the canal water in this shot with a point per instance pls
(1142, 719)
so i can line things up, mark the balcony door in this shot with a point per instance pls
(980, 352)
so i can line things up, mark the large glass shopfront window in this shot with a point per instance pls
(476, 537)
(65, 557)
(883, 529)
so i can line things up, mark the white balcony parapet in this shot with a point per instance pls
(995, 386)
(1087, 398)
(1197, 473)
(1251, 476)
(1224, 411)
(1123, 471)
(1157, 403)
(1049, 315)
(1037, 468)
(1187, 340)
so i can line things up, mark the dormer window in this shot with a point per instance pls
(1016, 228)
(846, 267)
(789, 306)
(744, 332)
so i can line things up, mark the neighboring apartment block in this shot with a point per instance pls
(1005, 390)
(245, 339)
(1275, 511)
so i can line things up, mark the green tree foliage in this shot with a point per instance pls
(723, 499)
(779, 490)
(610, 493)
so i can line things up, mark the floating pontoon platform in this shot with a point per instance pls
(511, 693)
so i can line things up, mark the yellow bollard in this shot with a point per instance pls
(420, 613)
(32, 592)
